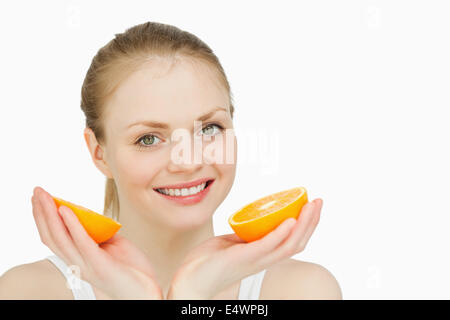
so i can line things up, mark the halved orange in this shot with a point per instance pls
(99, 227)
(262, 216)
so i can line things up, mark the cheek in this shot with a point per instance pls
(138, 168)
(227, 172)
(227, 169)
(222, 151)
(226, 175)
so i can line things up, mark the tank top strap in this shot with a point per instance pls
(81, 289)
(250, 287)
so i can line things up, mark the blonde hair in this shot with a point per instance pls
(125, 54)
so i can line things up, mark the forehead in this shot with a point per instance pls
(166, 91)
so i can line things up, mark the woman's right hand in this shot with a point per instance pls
(116, 267)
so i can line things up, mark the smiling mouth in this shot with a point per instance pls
(185, 192)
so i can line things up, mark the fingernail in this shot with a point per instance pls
(321, 203)
(290, 221)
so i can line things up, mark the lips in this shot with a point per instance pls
(188, 199)
(186, 184)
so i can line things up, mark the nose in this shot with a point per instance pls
(186, 156)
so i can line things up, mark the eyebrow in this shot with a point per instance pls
(162, 125)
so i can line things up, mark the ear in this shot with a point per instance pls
(97, 153)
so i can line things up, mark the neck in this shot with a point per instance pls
(165, 246)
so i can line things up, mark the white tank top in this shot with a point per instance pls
(249, 288)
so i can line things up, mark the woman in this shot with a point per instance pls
(145, 84)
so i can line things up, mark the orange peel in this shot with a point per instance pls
(99, 227)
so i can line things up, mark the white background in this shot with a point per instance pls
(358, 92)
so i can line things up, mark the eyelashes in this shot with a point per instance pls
(143, 146)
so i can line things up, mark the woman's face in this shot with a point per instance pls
(142, 158)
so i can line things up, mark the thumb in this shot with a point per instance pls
(271, 240)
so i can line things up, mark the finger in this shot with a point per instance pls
(59, 233)
(270, 241)
(88, 248)
(232, 237)
(39, 221)
(315, 221)
(287, 248)
(306, 219)
(44, 232)
(41, 224)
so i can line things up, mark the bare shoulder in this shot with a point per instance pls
(293, 279)
(39, 280)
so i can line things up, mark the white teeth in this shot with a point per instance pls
(184, 191)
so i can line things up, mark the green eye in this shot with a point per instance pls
(148, 141)
(208, 129)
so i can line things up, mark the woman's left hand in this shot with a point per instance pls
(220, 261)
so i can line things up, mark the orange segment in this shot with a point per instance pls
(262, 216)
(99, 227)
